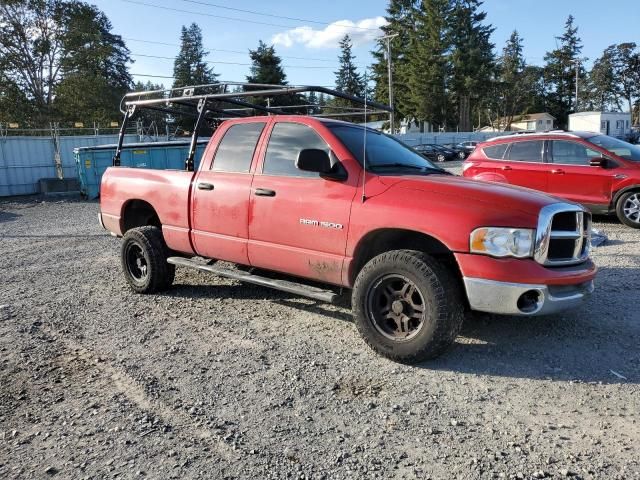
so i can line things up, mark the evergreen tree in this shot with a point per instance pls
(625, 59)
(51, 50)
(266, 68)
(348, 80)
(472, 59)
(602, 87)
(427, 67)
(560, 73)
(96, 64)
(190, 67)
(520, 89)
(400, 18)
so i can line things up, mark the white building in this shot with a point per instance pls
(610, 123)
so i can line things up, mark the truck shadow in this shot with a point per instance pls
(586, 345)
(8, 216)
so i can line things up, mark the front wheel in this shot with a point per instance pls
(143, 255)
(407, 306)
(628, 209)
(440, 158)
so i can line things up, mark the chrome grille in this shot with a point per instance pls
(563, 236)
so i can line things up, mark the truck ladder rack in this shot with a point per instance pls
(315, 293)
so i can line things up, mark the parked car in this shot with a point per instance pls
(460, 150)
(416, 245)
(600, 172)
(469, 146)
(435, 152)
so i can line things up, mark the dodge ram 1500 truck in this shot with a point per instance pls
(350, 207)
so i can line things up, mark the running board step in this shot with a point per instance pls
(284, 285)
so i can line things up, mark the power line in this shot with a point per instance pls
(231, 63)
(153, 42)
(253, 12)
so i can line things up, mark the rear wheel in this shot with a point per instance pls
(462, 155)
(628, 209)
(407, 306)
(143, 255)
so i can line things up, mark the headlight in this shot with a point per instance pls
(502, 242)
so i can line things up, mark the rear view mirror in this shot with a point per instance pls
(314, 160)
(598, 162)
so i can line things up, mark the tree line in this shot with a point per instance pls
(448, 73)
(61, 62)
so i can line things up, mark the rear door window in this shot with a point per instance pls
(235, 152)
(496, 152)
(529, 151)
(571, 153)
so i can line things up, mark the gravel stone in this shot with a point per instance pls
(216, 379)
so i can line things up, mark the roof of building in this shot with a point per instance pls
(531, 116)
(595, 112)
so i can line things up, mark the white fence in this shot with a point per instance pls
(448, 137)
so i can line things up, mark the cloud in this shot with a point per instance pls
(362, 31)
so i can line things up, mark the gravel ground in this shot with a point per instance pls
(215, 379)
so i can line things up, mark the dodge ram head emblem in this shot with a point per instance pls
(317, 223)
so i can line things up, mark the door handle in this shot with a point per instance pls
(205, 186)
(506, 167)
(265, 192)
(557, 171)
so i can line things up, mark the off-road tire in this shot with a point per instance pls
(149, 245)
(620, 209)
(444, 311)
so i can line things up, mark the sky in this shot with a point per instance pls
(306, 33)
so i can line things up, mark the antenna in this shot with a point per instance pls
(364, 143)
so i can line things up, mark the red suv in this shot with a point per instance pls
(598, 171)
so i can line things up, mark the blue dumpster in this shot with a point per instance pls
(93, 161)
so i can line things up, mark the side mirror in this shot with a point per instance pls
(314, 160)
(319, 161)
(598, 162)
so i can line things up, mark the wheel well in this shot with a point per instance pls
(618, 195)
(380, 241)
(138, 213)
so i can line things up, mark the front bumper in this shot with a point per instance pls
(524, 299)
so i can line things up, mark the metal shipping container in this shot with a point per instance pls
(92, 162)
(25, 160)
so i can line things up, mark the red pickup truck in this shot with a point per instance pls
(600, 172)
(345, 206)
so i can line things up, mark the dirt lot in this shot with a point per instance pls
(215, 379)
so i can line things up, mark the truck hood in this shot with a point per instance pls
(490, 195)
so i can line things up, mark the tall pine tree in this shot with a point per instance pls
(602, 85)
(348, 80)
(626, 69)
(190, 66)
(266, 68)
(560, 73)
(427, 67)
(400, 19)
(472, 58)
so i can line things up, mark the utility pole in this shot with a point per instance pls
(389, 68)
(577, 77)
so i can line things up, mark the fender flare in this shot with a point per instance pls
(621, 192)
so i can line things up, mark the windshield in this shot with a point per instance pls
(383, 151)
(617, 147)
